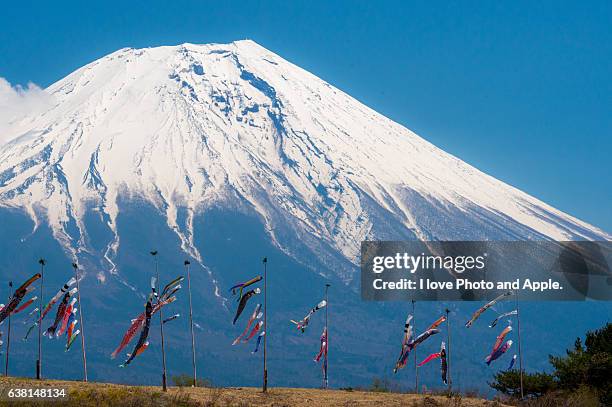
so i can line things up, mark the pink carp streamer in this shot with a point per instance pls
(322, 347)
(443, 362)
(429, 358)
(255, 315)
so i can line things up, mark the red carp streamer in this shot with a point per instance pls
(500, 338)
(25, 305)
(255, 329)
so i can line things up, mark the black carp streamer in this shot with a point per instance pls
(243, 302)
(144, 333)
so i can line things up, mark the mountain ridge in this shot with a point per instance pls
(268, 122)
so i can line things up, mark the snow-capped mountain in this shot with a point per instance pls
(191, 127)
(224, 153)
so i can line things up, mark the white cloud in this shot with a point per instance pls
(17, 102)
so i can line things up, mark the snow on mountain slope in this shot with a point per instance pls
(194, 126)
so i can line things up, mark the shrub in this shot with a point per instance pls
(534, 384)
(579, 376)
(589, 365)
(379, 385)
(184, 380)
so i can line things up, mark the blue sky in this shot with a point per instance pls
(522, 91)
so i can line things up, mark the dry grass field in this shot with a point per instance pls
(104, 394)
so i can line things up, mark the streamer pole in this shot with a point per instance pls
(448, 351)
(265, 348)
(83, 354)
(416, 370)
(8, 338)
(42, 263)
(193, 354)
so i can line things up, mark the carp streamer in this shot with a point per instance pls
(172, 287)
(259, 338)
(143, 334)
(486, 307)
(501, 337)
(56, 297)
(72, 321)
(25, 305)
(172, 318)
(437, 322)
(429, 358)
(71, 340)
(507, 314)
(59, 315)
(303, 323)
(406, 338)
(254, 331)
(257, 314)
(241, 286)
(512, 362)
(322, 347)
(67, 294)
(243, 302)
(443, 364)
(17, 297)
(164, 298)
(422, 337)
(66, 317)
(495, 355)
(129, 334)
(409, 344)
(323, 352)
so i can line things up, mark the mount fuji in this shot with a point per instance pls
(224, 153)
